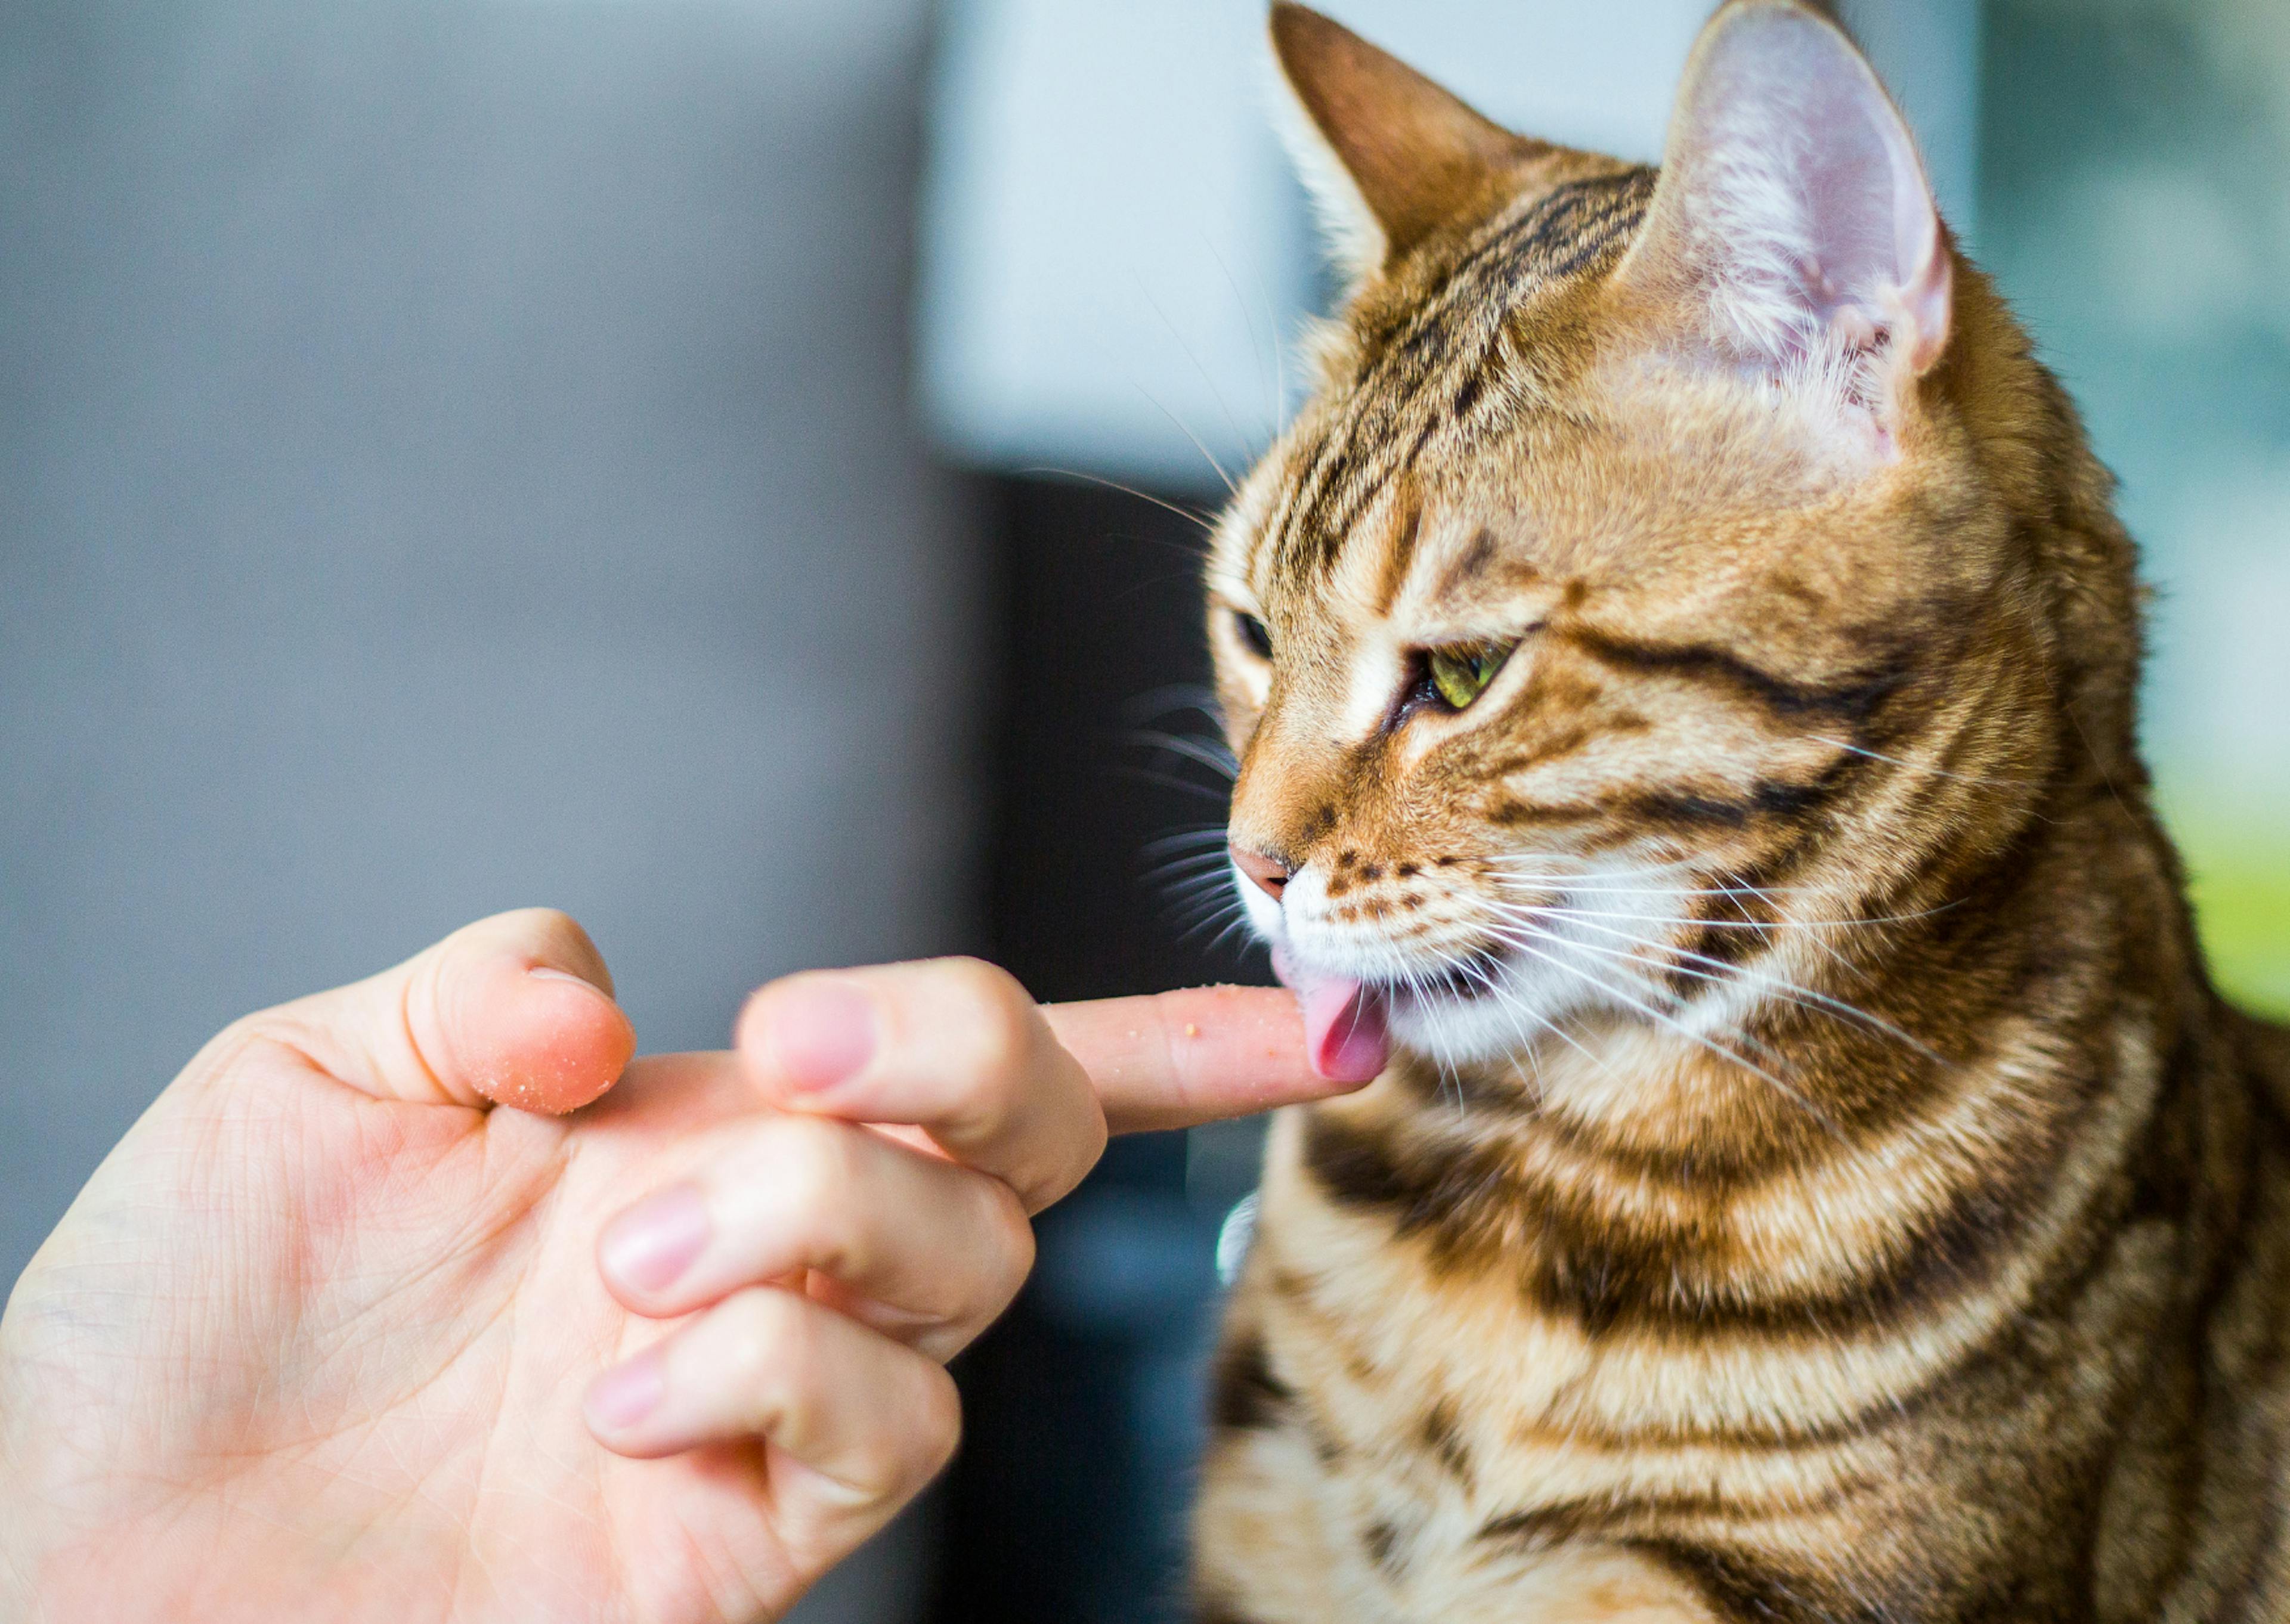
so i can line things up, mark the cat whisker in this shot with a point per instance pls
(1230, 488)
(1648, 881)
(1204, 915)
(1279, 405)
(1206, 834)
(1215, 394)
(1208, 849)
(1805, 997)
(1206, 752)
(1174, 700)
(1188, 877)
(1184, 887)
(1237, 928)
(1679, 1029)
(1566, 884)
(1918, 766)
(1206, 524)
(1648, 955)
(1167, 781)
(1185, 861)
(1526, 1022)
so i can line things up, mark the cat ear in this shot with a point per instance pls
(1793, 216)
(1388, 156)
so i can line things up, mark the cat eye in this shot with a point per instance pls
(1459, 676)
(1255, 633)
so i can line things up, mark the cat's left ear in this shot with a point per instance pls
(1794, 221)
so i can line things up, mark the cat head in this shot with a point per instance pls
(1667, 570)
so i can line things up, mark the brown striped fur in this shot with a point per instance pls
(1911, 1241)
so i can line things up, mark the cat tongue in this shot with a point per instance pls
(1345, 1031)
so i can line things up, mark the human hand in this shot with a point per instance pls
(313, 1342)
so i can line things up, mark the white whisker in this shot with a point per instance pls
(1207, 526)
(1171, 699)
(1674, 1026)
(1805, 997)
(1918, 766)
(1211, 834)
(1515, 1006)
(1211, 754)
(1230, 489)
(1171, 782)
(1239, 435)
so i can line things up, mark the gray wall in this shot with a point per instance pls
(454, 456)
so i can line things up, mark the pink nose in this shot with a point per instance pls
(1268, 875)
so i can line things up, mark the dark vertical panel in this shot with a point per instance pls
(1081, 1406)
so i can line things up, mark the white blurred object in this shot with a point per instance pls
(1235, 1237)
(1110, 250)
(1115, 258)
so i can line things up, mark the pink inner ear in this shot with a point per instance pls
(1805, 211)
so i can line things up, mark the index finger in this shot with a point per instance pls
(955, 1048)
(1178, 1059)
(1024, 1092)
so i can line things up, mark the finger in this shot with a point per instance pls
(936, 1250)
(875, 1420)
(954, 1046)
(516, 1009)
(1182, 1058)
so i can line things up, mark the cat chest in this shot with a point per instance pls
(1438, 1492)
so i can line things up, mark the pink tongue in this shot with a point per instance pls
(1345, 1031)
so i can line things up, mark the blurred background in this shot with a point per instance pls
(666, 458)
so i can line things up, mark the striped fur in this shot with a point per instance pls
(1877, 1217)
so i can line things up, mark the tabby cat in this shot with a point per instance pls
(1682, 663)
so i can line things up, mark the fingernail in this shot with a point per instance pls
(648, 1247)
(549, 972)
(625, 1394)
(821, 1032)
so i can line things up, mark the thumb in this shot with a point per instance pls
(516, 1010)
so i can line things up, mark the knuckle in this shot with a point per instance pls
(810, 1158)
(748, 1025)
(548, 935)
(937, 1421)
(1072, 1161)
(768, 1343)
(549, 925)
(811, 1166)
(993, 1037)
(1094, 1140)
(1012, 1247)
(271, 1034)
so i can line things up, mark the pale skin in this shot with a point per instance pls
(337, 1332)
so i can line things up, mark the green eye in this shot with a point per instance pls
(1461, 675)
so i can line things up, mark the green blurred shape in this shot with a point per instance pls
(2240, 878)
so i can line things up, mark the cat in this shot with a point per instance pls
(1682, 662)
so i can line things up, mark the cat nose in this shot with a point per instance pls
(1268, 875)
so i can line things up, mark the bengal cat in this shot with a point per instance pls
(1682, 662)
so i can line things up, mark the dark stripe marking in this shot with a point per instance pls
(1441, 1432)
(1853, 701)
(1244, 1395)
(1583, 1262)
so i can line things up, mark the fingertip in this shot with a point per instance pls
(620, 1400)
(1181, 1059)
(551, 1041)
(808, 1033)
